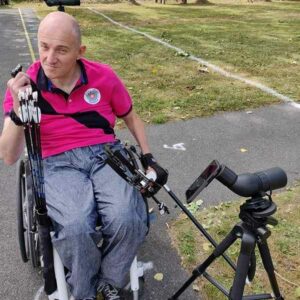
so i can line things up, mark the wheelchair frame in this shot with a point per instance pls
(28, 239)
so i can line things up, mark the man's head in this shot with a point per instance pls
(59, 42)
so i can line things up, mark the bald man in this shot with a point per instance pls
(80, 101)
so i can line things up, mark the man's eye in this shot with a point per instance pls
(63, 51)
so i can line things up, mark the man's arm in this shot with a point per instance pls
(137, 129)
(12, 137)
(11, 142)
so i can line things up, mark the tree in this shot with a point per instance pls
(200, 2)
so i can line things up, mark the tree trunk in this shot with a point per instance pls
(202, 2)
(133, 2)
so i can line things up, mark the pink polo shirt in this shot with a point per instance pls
(84, 117)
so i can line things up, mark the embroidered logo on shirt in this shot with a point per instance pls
(92, 96)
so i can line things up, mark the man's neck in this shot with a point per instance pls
(68, 83)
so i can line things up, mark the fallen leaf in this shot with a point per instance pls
(199, 202)
(206, 246)
(196, 288)
(203, 70)
(159, 276)
(297, 292)
(190, 87)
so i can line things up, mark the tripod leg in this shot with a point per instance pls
(247, 247)
(269, 267)
(219, 250)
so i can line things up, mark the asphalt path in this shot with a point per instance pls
(269, 136)
(17, 280)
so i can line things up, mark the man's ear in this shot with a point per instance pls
(82, 50)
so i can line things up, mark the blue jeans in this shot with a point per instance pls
(81, 191)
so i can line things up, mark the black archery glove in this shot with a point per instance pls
(147, 161)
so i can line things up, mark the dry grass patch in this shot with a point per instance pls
(284, 244)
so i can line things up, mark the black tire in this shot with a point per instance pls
(21, 198)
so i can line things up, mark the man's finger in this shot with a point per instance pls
(22, 79)
(15, 84)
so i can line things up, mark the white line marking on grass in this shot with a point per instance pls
(295, 104)
(213, 67)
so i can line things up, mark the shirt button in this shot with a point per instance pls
(70, 100)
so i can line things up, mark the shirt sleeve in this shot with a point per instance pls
(121, 101)
(7, 103)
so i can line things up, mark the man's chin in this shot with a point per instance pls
(51, 73)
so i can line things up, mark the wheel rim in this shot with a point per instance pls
(21, 198)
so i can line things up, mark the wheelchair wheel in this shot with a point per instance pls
(21, 203)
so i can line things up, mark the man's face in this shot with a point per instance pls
(58, 51)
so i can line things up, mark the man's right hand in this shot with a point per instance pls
(20, 83)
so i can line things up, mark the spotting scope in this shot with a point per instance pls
(245, 185)
(62, 2)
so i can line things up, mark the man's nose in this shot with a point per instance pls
(51, 58)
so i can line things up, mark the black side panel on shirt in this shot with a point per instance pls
(45, 106)
(90, 119)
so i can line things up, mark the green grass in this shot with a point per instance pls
(259, 41)
(284, 244)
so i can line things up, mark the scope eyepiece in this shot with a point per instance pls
(248, 185)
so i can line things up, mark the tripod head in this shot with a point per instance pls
(257, 211)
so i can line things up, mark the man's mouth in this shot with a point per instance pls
(50, 67)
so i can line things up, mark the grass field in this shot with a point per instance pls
(260, 41)
(284, 244)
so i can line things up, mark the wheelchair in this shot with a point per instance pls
(28, 239)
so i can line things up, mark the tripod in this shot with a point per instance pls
(255, 214)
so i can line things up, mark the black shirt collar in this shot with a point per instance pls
(45, 84)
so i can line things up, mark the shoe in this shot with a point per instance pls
(109, 292)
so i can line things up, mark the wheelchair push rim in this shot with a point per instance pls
(21, 200)
(27, 228)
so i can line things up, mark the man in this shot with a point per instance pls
(80, 101)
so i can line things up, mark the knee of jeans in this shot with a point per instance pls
(120, 220)
(78, 226)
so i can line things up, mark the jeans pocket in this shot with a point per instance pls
(52, 163)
